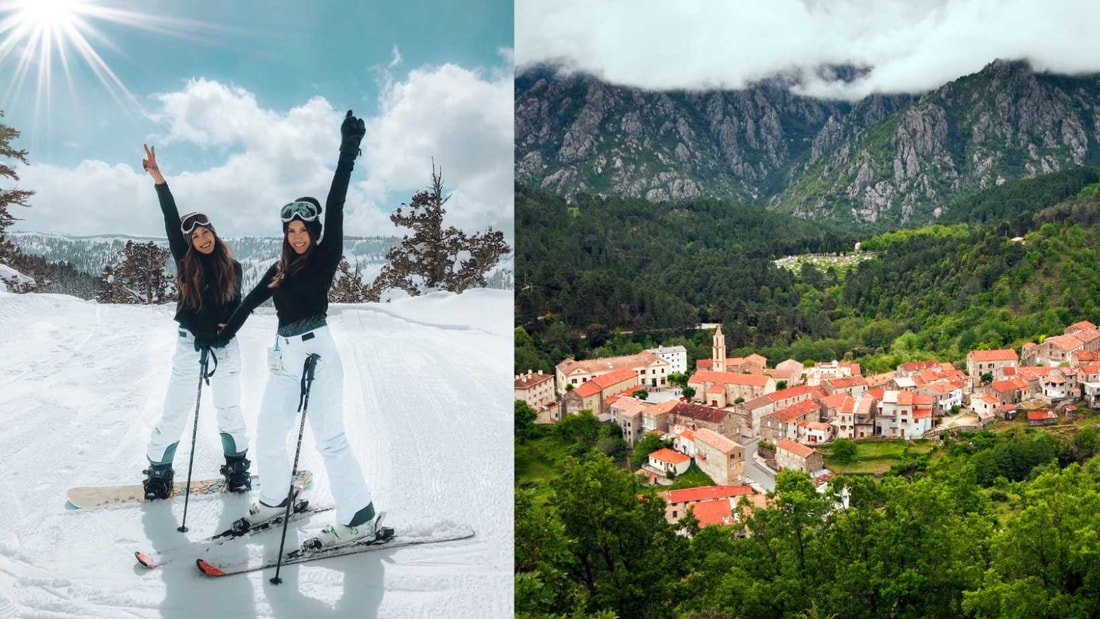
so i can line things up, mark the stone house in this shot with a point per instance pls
(994, 362)
(669, 461)
(536, 389)
(720, 457)
(792, 455)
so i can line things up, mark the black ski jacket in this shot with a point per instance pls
(304, 294)
(214, 311)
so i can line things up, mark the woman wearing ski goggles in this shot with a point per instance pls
(306, 211)
(190, 221)
(209, 282)
(299, 283)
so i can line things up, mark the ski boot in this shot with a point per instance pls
(158, 483)
(337, 534)
(261, 515)
(235, 471)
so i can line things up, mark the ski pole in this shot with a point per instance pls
(303, 404)
(194, 432)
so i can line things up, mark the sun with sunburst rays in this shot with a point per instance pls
(44, 37)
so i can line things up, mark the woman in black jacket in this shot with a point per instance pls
(209, 282)
(299, 283)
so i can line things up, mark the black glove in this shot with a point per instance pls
(351, 134)
(210, 341)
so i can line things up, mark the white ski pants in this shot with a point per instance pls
(179, 405)
(324, 411)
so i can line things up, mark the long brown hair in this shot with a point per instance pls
(191, 277)
(290, 262)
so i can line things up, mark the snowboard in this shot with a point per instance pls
(387, 539)
(91, 497)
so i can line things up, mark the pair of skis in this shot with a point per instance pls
(86, 498)
(382, 538)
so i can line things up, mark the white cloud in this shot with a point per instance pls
(910, 45)
(264, 158)
(463, 119)
(396, 57)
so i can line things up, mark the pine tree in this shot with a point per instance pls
(138, 276)
(435, 257)
(109, 288)
(9, 197)
(348, 286)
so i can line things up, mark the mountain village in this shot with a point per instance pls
(738, 404)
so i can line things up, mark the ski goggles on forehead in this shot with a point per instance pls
(306, 211)
(190, 221)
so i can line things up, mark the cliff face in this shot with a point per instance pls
(892, 159)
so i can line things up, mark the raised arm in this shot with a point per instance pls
(176, 241)
(352, 131)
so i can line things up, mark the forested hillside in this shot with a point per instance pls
(1026, 266)
(988, 525)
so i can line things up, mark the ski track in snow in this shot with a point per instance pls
(427, 410)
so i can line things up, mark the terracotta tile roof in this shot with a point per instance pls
(699, 412)
(665, 454)
(790, 364)
(1041, 415)
(710, 513)
(846, 382)
(628, 406)
(797, 411)
(1084, 325)
(778, 374)
(797, 449)
(1065, 343)
(704, 493)
(836, 401)
(529, 380)
(1033, 372)
(587, 389)
(606, 364)
(663, 407)
(1087, 335)
(721, 443)
(614, 377)
(814, 425)
(943, 387)
(1004, 354)
(990, 398)
(916, 366)
(716, 389)
(688, 435)
(877, 380)
(729, 378)
(921, 413)
(793, 392)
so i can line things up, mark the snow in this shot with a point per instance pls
(11, 277)
(427, 408)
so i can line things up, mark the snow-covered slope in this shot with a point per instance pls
(427, 408)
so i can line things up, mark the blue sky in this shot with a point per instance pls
(244, 99)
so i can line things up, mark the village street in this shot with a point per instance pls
(760, 478)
